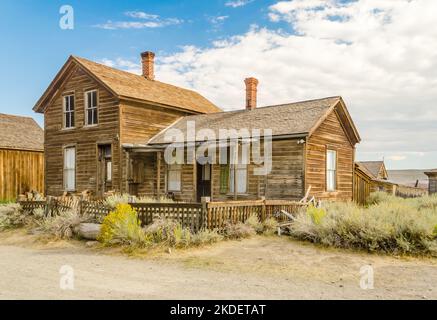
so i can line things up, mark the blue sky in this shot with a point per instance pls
(381, 56)
(36, 47)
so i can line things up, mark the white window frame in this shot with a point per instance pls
(69, 168)
(177, 170)
(70, 112)
(87, 108)
(331, 170)
(239, 168)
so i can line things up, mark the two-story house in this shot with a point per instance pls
(105, 130)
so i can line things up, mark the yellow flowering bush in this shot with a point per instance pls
(122, 226)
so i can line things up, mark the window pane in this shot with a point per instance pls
(331, 160)
(174, 178)
(69, 168)
(94, 99)
(231, 179)
(71, 103)
(330, 183)
(94, 116)
(72, 119)
(109, 171)
(241, 181)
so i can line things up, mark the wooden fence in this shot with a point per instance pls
(196, 216)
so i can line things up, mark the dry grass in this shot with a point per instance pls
(389, 224)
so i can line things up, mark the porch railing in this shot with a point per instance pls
(195, 216)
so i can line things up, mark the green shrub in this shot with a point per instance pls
(254, 223)
(113, 200)
(393, 225)
(316, 214)
(270, 226)
(122, 226)
(12, 216)
(169, 232)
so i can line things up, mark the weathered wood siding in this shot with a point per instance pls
(330, 135)
(139, 122)
(362, 186)
(432, 189)
(20, 172)
(85, 139)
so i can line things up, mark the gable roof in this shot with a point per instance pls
(21, 133)
(373, 167)
(432, 172)
(127, 85)
(298, 119)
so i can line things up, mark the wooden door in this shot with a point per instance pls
(203, 181)
(104, 183)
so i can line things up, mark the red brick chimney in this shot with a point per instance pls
(148, 63)
(251, 89)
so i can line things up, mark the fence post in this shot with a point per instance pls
(263, 209)
(203, 217)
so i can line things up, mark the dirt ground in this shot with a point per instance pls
(257, 268)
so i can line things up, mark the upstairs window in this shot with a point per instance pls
(331, 170)
(69, 111)
(91, 108)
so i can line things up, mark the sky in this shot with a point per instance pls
(379, 55)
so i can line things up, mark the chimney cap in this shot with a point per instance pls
(251, 80)
(147, 54)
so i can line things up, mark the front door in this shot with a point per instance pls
(104, 165)
(203, 181)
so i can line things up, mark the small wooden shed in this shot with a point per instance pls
(432, 176)
(21, 156)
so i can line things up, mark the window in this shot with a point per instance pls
(224, 170)
(70, 169)
(239, 170)
(174, 177)
(69, 111)
(331, 170)
(91, 108)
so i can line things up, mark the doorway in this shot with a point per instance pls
(104, 167)
(203, 181)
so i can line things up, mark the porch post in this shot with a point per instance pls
(158, 174)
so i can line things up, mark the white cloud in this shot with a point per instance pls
(238, 3)
(381, 56)
(397, 157)
(144, 20)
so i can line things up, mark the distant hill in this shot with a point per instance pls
(409, 177)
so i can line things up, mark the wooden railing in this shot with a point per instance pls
(195, 216)
(218, 213)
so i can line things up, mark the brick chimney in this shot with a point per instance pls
(251, 89)
(148, 63)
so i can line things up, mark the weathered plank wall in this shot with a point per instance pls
(330, 135)
(362, 187)
(20, 171)
(84, 138)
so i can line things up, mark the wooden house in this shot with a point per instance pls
(21, 156)
(106, 129)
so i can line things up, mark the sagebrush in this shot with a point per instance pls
(390, 224)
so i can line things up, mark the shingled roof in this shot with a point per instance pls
(124, 84)
(373, 167)
(21, 133)
(298, 118)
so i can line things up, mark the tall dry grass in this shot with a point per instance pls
(388, 224)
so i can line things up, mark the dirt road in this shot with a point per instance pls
(257, 268)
